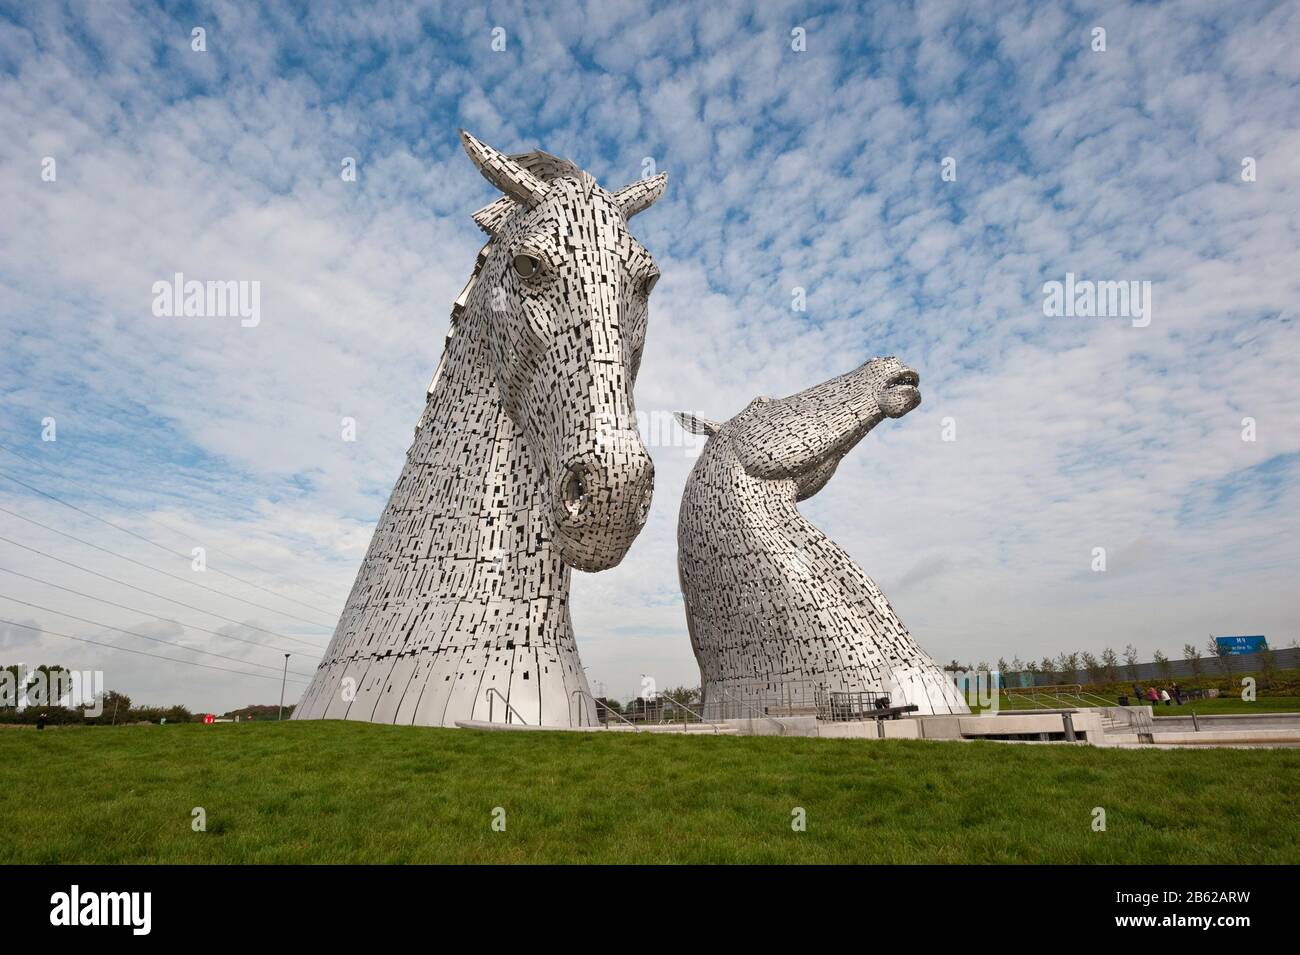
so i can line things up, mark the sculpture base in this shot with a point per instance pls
(829, 696)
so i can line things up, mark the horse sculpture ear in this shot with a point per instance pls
(640, 195)
(695, 424)
(503, 172)
(492, 215)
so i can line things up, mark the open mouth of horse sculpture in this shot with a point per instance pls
(899, 394)
(526, 463)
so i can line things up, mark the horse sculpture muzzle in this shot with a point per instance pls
(600, 502)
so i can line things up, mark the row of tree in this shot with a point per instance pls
(40, 689)
(1111, 667)
(116, 709)
(641, 708)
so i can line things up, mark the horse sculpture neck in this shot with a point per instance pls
(462, 577)
(483, 485)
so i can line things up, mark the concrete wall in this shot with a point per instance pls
(868, 729)
(775, 725)
(1087, 724)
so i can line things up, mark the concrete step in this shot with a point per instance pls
(692, 729)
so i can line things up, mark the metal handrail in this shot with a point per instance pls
(509, 708)
(1035, 690)
(1071, 694)
(608, 708)
(1142, 725)
(692, 712)
(1065, 694)
(753, 709)
(1135, 717)
(1101, 700)
(783, 697)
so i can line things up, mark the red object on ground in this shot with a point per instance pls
(208, 718)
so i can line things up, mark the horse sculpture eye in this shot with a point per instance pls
(526, 266)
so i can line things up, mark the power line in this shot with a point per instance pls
(183, 623)
(184, 580)
(143, 653)
(153, 543)
(151, 593)
(145, 636)
(170, 527)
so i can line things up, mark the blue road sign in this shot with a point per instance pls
(1234, 645)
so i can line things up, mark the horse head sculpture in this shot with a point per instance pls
(526, 463)
(775, 609)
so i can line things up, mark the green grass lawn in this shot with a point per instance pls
(354, 792)
(1230, 704)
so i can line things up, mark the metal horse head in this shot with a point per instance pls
(772, 604)
(562, 291)
(803, 437)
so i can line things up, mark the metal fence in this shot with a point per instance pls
(774, 699)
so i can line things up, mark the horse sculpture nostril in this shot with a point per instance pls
(575, 491)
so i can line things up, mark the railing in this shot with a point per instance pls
(1063, 694)
(1134, 718)
(856, 704)
(1095, 699)
(1058, 695)
(1142, 724)
(598, 703)
(754, 711)
(770, 699)
(861, 705)
(687, 709)
(509, 709)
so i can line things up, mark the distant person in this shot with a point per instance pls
(40, 721)
(1152, 695)
(1178, 694)
(1137, 692)
(1164, 696)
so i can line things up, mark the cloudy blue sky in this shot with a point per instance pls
(817, 169)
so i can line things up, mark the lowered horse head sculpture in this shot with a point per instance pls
(526, 462)
(775, 609)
